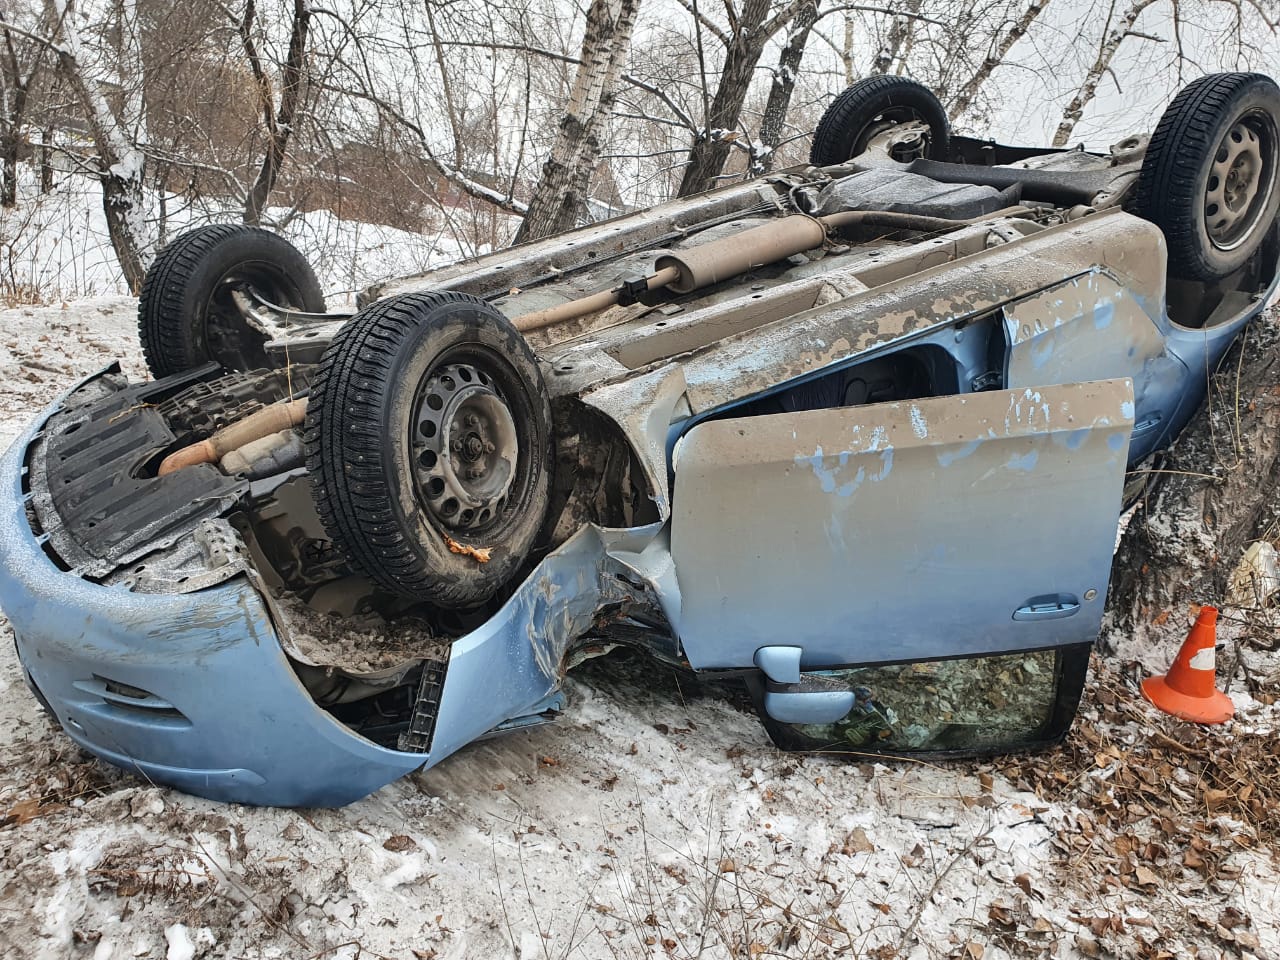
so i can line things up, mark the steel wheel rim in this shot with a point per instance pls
(464, 447)
(1241, 181)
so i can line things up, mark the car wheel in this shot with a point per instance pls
(186, 316)
(428, 438)
(871, 106)
(1211, 175)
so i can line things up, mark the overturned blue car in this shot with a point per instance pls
(855, 434)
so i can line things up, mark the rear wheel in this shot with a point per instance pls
(186, 315)
(1211, 175)
(871, 106)
(429, 446)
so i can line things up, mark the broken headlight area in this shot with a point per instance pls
(964, 706)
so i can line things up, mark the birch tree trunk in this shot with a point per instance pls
(278, 122)
(901, 30)
(561, 191)
(965, 96)
(1113, 36)
(846, 52)
(119, 140)
(784, 84)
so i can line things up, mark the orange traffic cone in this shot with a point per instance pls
(1187, 691)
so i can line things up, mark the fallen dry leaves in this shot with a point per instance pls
(1157, 807)
(24, 811)
(478, 554)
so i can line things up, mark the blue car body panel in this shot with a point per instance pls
(917, 530)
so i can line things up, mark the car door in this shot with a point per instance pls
(925, 529)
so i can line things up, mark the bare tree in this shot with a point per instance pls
(561, 191)
(999, 50)
(1114, 34)
(891, 57)
(119, 136)
(20, 63)
(749, 29)
(784, 85)
(277, 120)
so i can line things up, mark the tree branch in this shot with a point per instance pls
(863, 8)
(456, 177)
(716, 30)
(43, 41)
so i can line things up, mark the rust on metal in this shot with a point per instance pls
(478, 554)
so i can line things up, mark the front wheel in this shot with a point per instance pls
(871, 106)
(428, 438)
(1211, 175)
(186, 314)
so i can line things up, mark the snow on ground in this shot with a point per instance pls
(655, 820)
(56, 245)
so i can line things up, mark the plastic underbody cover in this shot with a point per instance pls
(901, 192)
(94, 489)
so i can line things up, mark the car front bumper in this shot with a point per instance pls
(194, 690)
(191, 690)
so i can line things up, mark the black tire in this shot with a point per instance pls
(1180, 180)
(871, 105)
(185, 315)
(386, 407)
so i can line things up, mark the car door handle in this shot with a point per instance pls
(1053, 607)
(1147, 423)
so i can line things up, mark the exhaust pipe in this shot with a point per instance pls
(709, 263)
(279, 416)
(688, 270)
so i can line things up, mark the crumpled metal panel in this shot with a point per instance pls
(1093, 327)
(194, 689)
(645, 407)
(513, 662)
(895, 531)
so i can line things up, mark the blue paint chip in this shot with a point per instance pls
(1025, 462)
(949, 456)
(1041, 352)
(1075, 439)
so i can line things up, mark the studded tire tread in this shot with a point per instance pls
(347, 455)
(1170, 186)
(181, 276)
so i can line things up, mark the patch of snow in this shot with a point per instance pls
(180, 944)
(56, 245)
